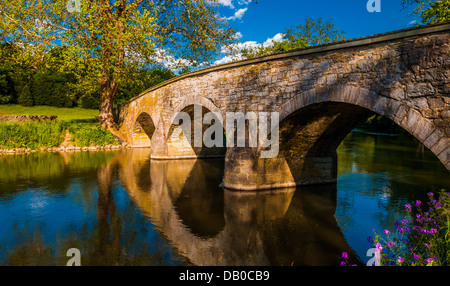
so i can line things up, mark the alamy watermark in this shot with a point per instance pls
(258, 134)
(75, 255)
(373, 6)
(73, 6)
(375, 253)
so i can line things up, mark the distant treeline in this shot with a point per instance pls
(23, 84)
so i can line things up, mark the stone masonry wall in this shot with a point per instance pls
(406, 79)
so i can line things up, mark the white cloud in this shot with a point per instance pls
(227, 59)
(237, 15)
(244, 2)
(233, 52)
(226, 3)
(270, 41)
(237, 36)
(238, 47)
(412, 22)
(161, 57)
(229, 3)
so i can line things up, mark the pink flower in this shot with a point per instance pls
(344, 255)
(379, 247)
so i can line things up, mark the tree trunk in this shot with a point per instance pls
(106, 110)
(108, 89)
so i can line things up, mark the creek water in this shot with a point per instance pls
(121, 208)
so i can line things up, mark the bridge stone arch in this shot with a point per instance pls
(404, 75)
(312, 126)
(403, 115)
(144, 128)
(181, 147)
(195, 100)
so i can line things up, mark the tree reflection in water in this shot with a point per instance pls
(121, 208)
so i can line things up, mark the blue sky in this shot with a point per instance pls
(269, 17)
(257, 22)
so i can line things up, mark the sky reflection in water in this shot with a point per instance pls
(120, 208)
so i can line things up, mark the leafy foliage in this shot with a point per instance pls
(35, 135)
(7, 92)
(311, 33)
(430, 11)
(277, 47)
(53, 89)
(31, 135)
(90, 134)
(104, 43)
(315, 32)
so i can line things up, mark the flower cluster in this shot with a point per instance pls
(345, 259)
(423, 239)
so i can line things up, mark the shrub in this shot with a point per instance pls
(90, 134)
(49, 134)
(22, 88)
(53, 89)
(7, 92)
(423, 239)
(90, 101)
(31, 135)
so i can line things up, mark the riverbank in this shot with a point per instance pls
(61, 149)
(30, 136)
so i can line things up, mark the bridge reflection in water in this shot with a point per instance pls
(211, 226)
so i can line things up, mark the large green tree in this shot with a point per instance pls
(430, 11)
(312, 32)
(106, 40)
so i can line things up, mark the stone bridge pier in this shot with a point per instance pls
(319, 94)
(308, 139)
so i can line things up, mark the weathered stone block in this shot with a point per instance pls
(419, 89)
(424, 130)
(441, 145)
(433, 138)
(445, 157)
(409, 123)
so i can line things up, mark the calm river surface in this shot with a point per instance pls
(120, 208)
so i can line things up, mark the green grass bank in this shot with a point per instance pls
(75, 128)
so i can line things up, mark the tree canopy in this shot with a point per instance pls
(311, 33)
(430, 11)
(107, 41)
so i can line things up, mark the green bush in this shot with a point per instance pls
(7, 92)
(31, 135)
(49, 134)
(53, 89)
(90, 101)
(90, 134)
(22, 88)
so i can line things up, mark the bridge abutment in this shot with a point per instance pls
(245, 171)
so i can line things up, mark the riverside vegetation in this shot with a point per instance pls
(423, 239)
(78, 130)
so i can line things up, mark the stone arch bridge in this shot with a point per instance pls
(320, 93)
